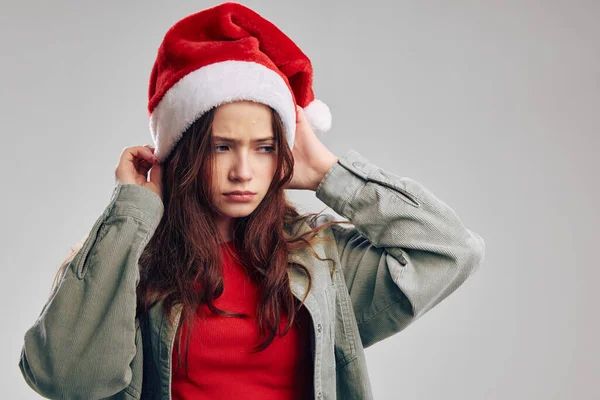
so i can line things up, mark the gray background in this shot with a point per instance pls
(491, 105)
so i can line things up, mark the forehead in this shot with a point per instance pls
(242, 121)
(242, 115)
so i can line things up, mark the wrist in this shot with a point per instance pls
(323, 168)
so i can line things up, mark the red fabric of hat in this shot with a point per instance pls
(222, 54)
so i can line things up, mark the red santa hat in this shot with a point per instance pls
(222, 54)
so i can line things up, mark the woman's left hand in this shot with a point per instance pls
(311, 158)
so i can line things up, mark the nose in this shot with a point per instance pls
(241, 169)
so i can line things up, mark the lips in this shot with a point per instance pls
(237, 196)
(240, 192)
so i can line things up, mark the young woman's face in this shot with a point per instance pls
(245, 159)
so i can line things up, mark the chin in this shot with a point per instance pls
(238, 211)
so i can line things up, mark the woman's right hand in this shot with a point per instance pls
(133, 167)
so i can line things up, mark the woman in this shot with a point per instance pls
(185, 289)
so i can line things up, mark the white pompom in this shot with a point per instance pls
(318, 116)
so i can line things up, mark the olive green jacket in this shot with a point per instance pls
(405, 252)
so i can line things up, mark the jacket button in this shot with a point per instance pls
(319, 327)
(357, 164)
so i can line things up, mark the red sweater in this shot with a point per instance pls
(220, 363)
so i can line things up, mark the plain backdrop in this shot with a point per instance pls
(494, 106)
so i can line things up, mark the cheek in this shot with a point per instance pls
(269, 169)
(218, 182)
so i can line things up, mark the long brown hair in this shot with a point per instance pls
(179, 265)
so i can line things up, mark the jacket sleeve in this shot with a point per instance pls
(405, 250)
(83, 343)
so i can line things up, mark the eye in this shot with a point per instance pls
(268, 149)
(217, 147)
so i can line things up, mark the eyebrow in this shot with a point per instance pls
(231, 140)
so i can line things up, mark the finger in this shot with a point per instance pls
(143, 168)
(141, 152)
(301, 115)
(148, 152)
